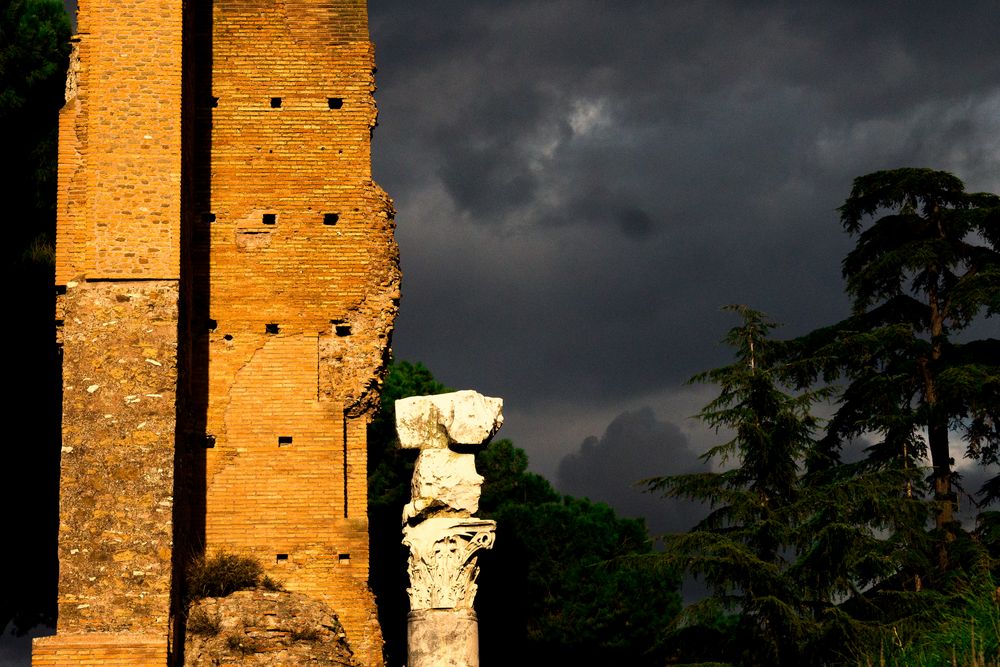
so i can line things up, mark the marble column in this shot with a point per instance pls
(439, 528)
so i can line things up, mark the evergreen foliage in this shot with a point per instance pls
(34, 52)
(960, 628)
(504, 468)
(817, 561)
(741, 548)
(926, 266)
(562, 585)
(781, 549)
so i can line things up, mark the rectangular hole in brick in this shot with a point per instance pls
(208, 216)
(272, 328)
(212, 325)
(209, 441)
(344, 559)
(342, 330)
(269, 218)
(60, 323)
(330, 218)
(215, 102)
(284, 440)
(275, 102)
(281, 558)
(334, 102)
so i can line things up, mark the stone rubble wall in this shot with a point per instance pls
(116, 500)
(267, 629)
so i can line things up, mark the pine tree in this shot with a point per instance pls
(800, 557)
(925, 267)
(743, 548)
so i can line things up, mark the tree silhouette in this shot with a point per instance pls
(925, 267)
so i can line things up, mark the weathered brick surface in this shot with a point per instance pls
(279, 250)
(120, 144)
(279, 149)
(100, 650)
(119, 219)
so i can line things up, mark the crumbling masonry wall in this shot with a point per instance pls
(302, 291)
(117, 266)
(269, 263)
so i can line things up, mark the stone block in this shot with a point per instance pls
(459, 418)
(444, 481)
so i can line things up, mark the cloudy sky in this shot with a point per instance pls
(581, 185)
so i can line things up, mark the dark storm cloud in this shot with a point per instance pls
(581, 185)
(635, 446)
(636, 223)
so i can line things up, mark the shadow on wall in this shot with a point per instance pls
(191, 435)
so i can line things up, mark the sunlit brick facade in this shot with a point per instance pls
(228, 281)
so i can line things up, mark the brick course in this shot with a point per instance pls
(100, 650)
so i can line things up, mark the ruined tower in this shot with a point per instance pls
(228, 281)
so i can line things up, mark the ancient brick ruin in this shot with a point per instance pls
(228, 281)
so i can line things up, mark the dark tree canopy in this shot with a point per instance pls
(34, 53)
(925, 266)
(782, 549)
(562, 587)
(741, 549)
(34, 50)
(562, 584)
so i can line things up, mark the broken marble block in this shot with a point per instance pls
(445, 481)
(436, 422)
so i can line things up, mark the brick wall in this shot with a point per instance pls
(120, 144)
(298, 241)
(277, 249)
(100, 650)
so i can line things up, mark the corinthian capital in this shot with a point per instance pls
(442, 565)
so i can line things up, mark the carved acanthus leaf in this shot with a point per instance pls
(442, 565)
